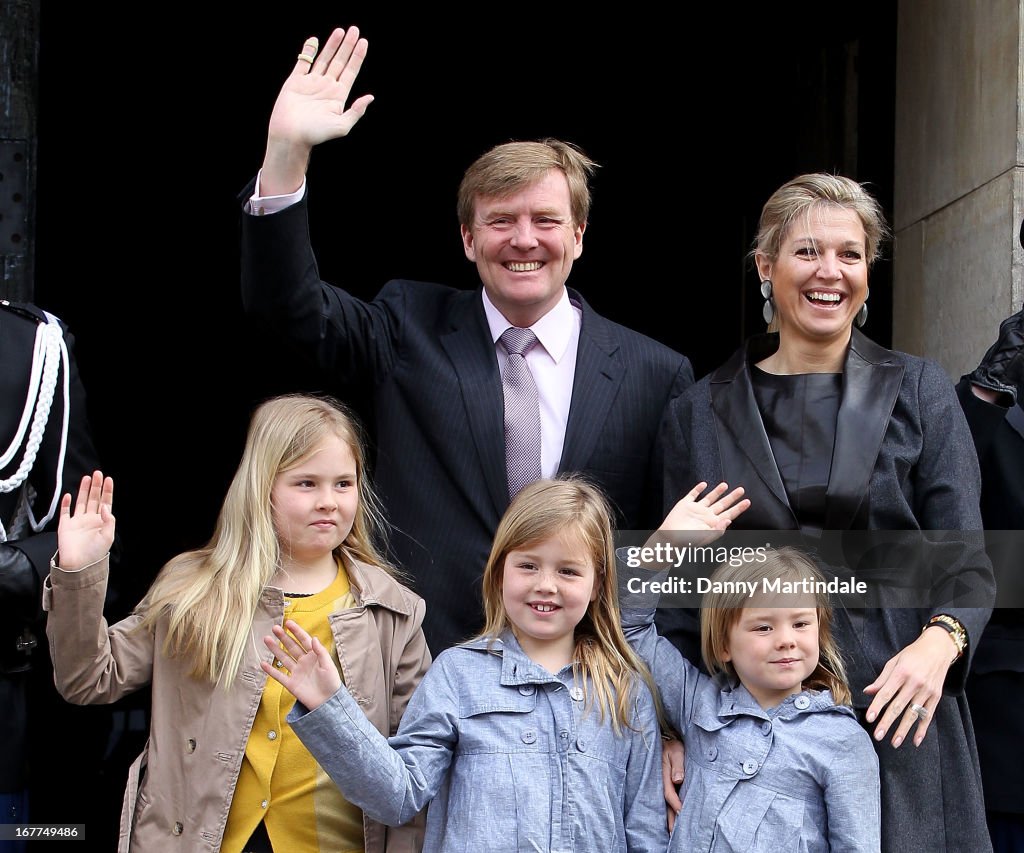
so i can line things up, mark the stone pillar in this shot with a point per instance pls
(19, 50)
(959, 177)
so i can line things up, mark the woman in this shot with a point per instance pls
(826, 430)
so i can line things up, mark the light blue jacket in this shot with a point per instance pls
(506, 756)
(801, 777)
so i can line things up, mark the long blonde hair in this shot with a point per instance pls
(209, 595)
(602, 657)
(720, 610)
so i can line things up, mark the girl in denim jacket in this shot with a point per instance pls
(295, 538)
(540, 734)
(775, 757)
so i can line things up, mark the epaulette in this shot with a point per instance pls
(24, 310)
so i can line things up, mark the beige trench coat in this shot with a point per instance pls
(180, 789)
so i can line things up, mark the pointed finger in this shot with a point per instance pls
(695, 492)
(925, 721)
(330, 48)
(95, 490)
(287, 645)
(346, 55)
(83, 494)
(275, 649)
(736, 511)
(107, 495)
(713, 496)
(300, 634)
(276, 674)
(726, 501)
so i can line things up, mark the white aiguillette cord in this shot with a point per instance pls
(49, 352)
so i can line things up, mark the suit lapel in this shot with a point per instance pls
(471, 351)
(599, 372)
(871, 384)
(742, 440)
(1015, 418)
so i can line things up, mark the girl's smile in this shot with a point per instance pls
(546, 589)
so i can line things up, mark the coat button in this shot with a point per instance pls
(766, 727)
(581, 745)
(577, 694)
(711, 753)
(526, 689)
(272, 735)
(750, 767)
(802, 703)
(263, 804)
(190, 745)
(529, 737)
(178, 828)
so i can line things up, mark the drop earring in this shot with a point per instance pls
(862, 314)
(768, 310)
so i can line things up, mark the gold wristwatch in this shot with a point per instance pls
(955, 628)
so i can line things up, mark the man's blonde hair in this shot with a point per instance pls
(508, 168)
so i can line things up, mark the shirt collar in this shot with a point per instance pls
(516, 667)
(735, 700)
(553, 330)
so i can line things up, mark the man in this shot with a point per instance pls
(465, 415)
(991, 396)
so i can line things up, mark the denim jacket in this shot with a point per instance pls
(505, 754)
(801, 777)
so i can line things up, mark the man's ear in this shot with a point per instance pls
(577, 238)
(467, 242)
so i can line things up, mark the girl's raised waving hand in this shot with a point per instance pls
(85, 536)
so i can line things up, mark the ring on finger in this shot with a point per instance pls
(920, 710)
(305, 58)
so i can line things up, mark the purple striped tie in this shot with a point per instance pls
(522, 411)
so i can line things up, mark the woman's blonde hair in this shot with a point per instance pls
(570, 506)
(721, 610)
(797, 198)
(209, 595)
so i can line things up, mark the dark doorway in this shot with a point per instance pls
(149, 127)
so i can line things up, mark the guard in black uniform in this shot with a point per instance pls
(50, 752)
(991, 397)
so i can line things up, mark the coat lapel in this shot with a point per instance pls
(1015, 418)
(599, 372)
(871, 384)
(471, 351)
(742, 440)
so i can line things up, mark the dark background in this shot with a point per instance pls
(149, 129)
(150, 126)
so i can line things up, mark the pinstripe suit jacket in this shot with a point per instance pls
(427, 353)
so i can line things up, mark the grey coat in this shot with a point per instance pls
(903, 460)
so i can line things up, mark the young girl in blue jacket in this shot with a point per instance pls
(775, 757)
(540, 734)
